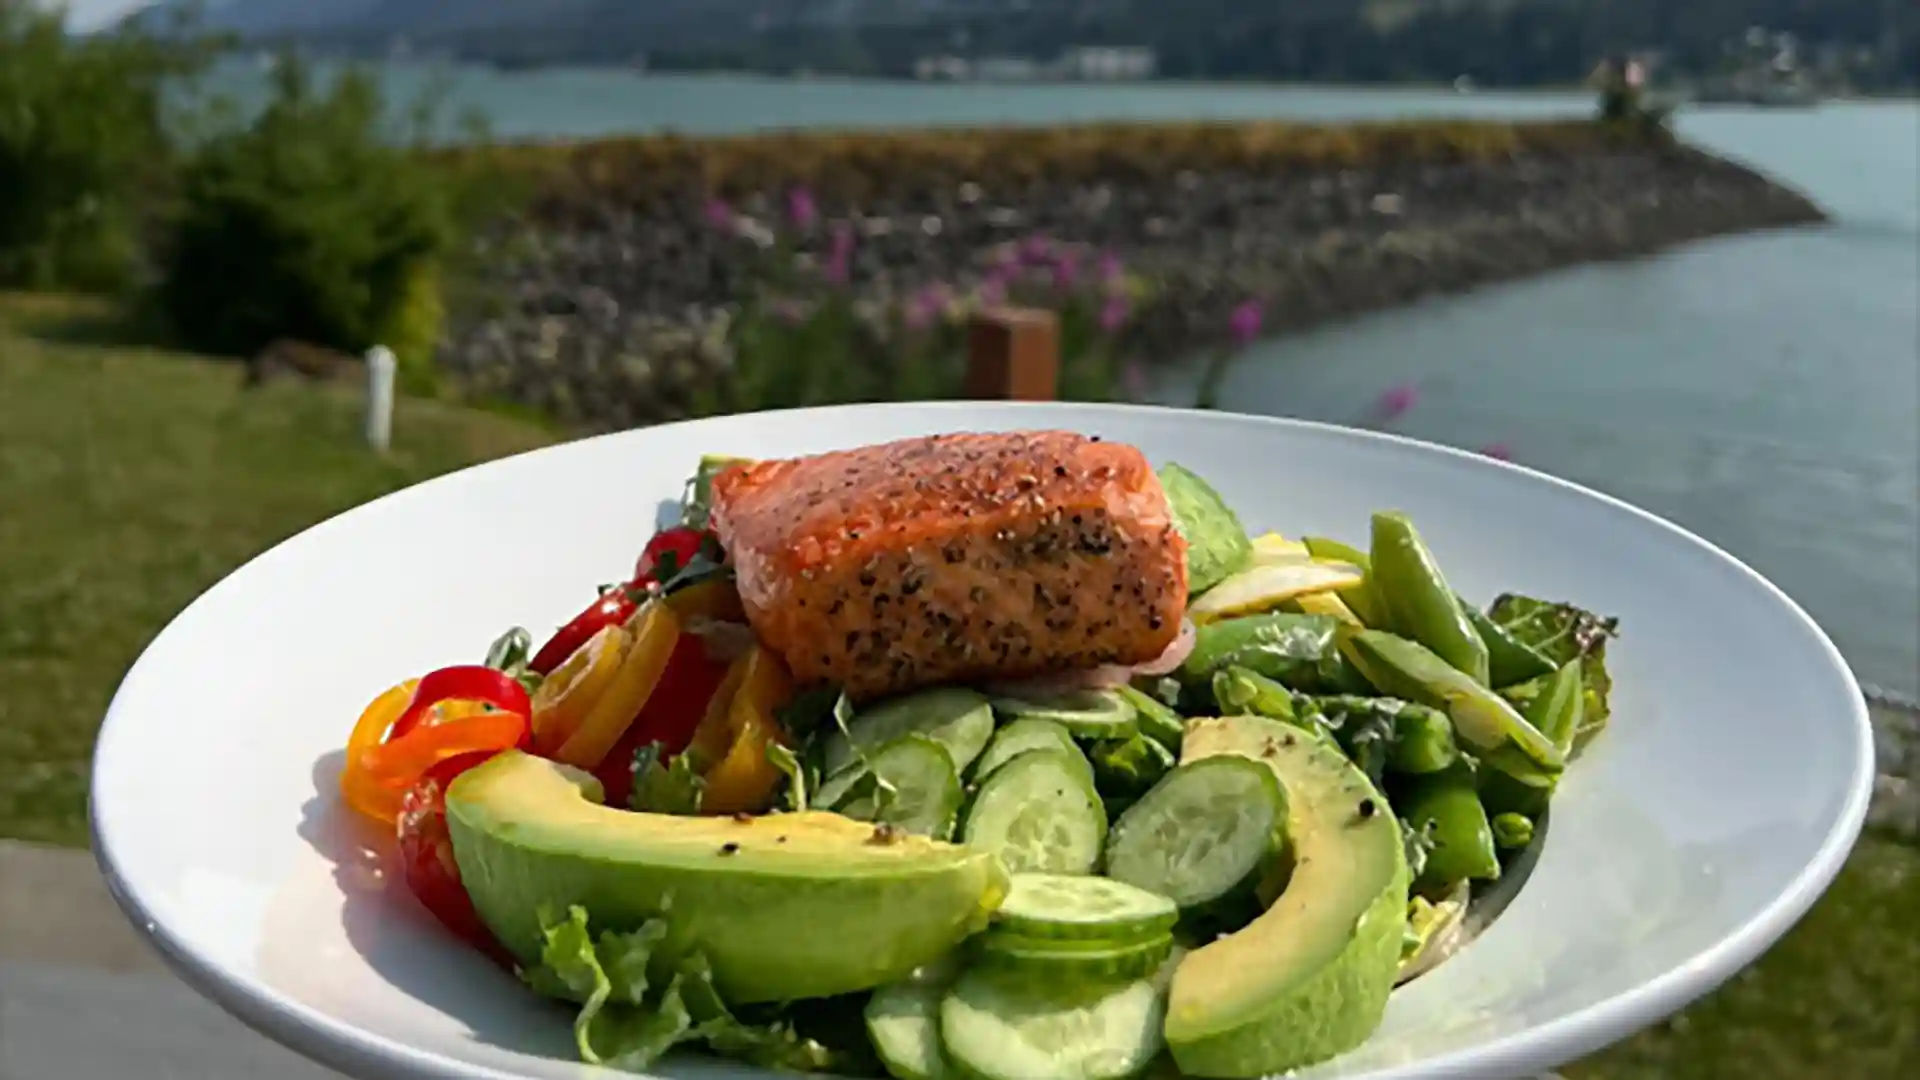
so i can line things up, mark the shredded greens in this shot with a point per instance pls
(639, 999)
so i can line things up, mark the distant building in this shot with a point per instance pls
(1107, 62)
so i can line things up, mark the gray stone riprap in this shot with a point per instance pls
(1896, 792)
(613, 313)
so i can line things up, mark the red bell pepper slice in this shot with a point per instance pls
(463, 682)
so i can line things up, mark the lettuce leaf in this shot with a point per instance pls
(640, 998)
(1561, 633)
(674, 787)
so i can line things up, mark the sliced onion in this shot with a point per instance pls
(1103, 677)
(725, 641)
(1175, 654)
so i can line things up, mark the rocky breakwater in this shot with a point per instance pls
(615, 298)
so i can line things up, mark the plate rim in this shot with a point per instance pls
(313, 1034)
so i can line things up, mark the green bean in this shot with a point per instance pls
(1447, 806)
(1511, 832)
(1558, 711)
(1416, 599)
(1157, 721)
(1361, 599)
(1481, 718)
(1509, 660)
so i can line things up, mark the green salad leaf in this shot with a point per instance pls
(1562, 633)
(673, 787)
(638, 1000)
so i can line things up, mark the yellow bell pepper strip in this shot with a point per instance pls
(654, 630)
(377, 801)
(745, 779)
(566, 696)
(716, 600)
(714, 737)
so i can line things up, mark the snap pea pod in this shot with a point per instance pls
(1511, 831)
(1125, 769)
(1237, 690)
(1300, 652)
(1448, 809)
(1558, 712)
(1421, 736)
(1361, 598)
(1416, 599)
(1157, 721)
(1481, 718)
(1509, 660)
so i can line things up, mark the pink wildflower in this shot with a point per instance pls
(1114, 314)
(719, 215)
(1245, 321)
(801, 209)
(1395, 401)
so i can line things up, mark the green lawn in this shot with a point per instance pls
(132, 479)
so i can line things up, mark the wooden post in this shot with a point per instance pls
(1013, 354)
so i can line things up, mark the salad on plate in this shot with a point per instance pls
(1002, 756)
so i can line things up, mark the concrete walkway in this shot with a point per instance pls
(81, 995)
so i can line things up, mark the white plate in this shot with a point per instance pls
(1699, 827)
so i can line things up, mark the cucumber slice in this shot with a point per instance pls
(1202, 833)
(1086, 714)
(1017, 738)
(1064, 907)
(837, 789)
(926, 793)
(957, 718)
(903, 1022)
(1157, 721)
(998, 1029)
(1075, 963)
(1039, 812)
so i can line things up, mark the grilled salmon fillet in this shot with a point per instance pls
(953, 558)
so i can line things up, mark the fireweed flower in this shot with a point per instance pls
(1114, 314)
(1395, 401)
(1245, 321)
(719, 215)
(1109, 270)
(801, 209)
(838, 266)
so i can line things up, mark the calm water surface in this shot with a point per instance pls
(1762, 390)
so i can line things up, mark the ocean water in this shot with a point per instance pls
(1762, 390)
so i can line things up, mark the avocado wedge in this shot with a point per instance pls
(1309, 978)
(783, 906)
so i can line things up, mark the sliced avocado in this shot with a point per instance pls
(783, 906)
(1217, 545)
(1309, 978)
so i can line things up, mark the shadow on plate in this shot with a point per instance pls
(403, 943)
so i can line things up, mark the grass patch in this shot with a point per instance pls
(1837, 999)
(133, 479)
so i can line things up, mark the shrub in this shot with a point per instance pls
(307, 223)
(84, 146)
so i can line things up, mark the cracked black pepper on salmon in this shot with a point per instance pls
(952, 558)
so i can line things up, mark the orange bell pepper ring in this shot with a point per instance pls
(654, 630)
(462, 728)
(745, 779)
(361, 791)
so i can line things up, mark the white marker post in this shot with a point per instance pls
(380, 368)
